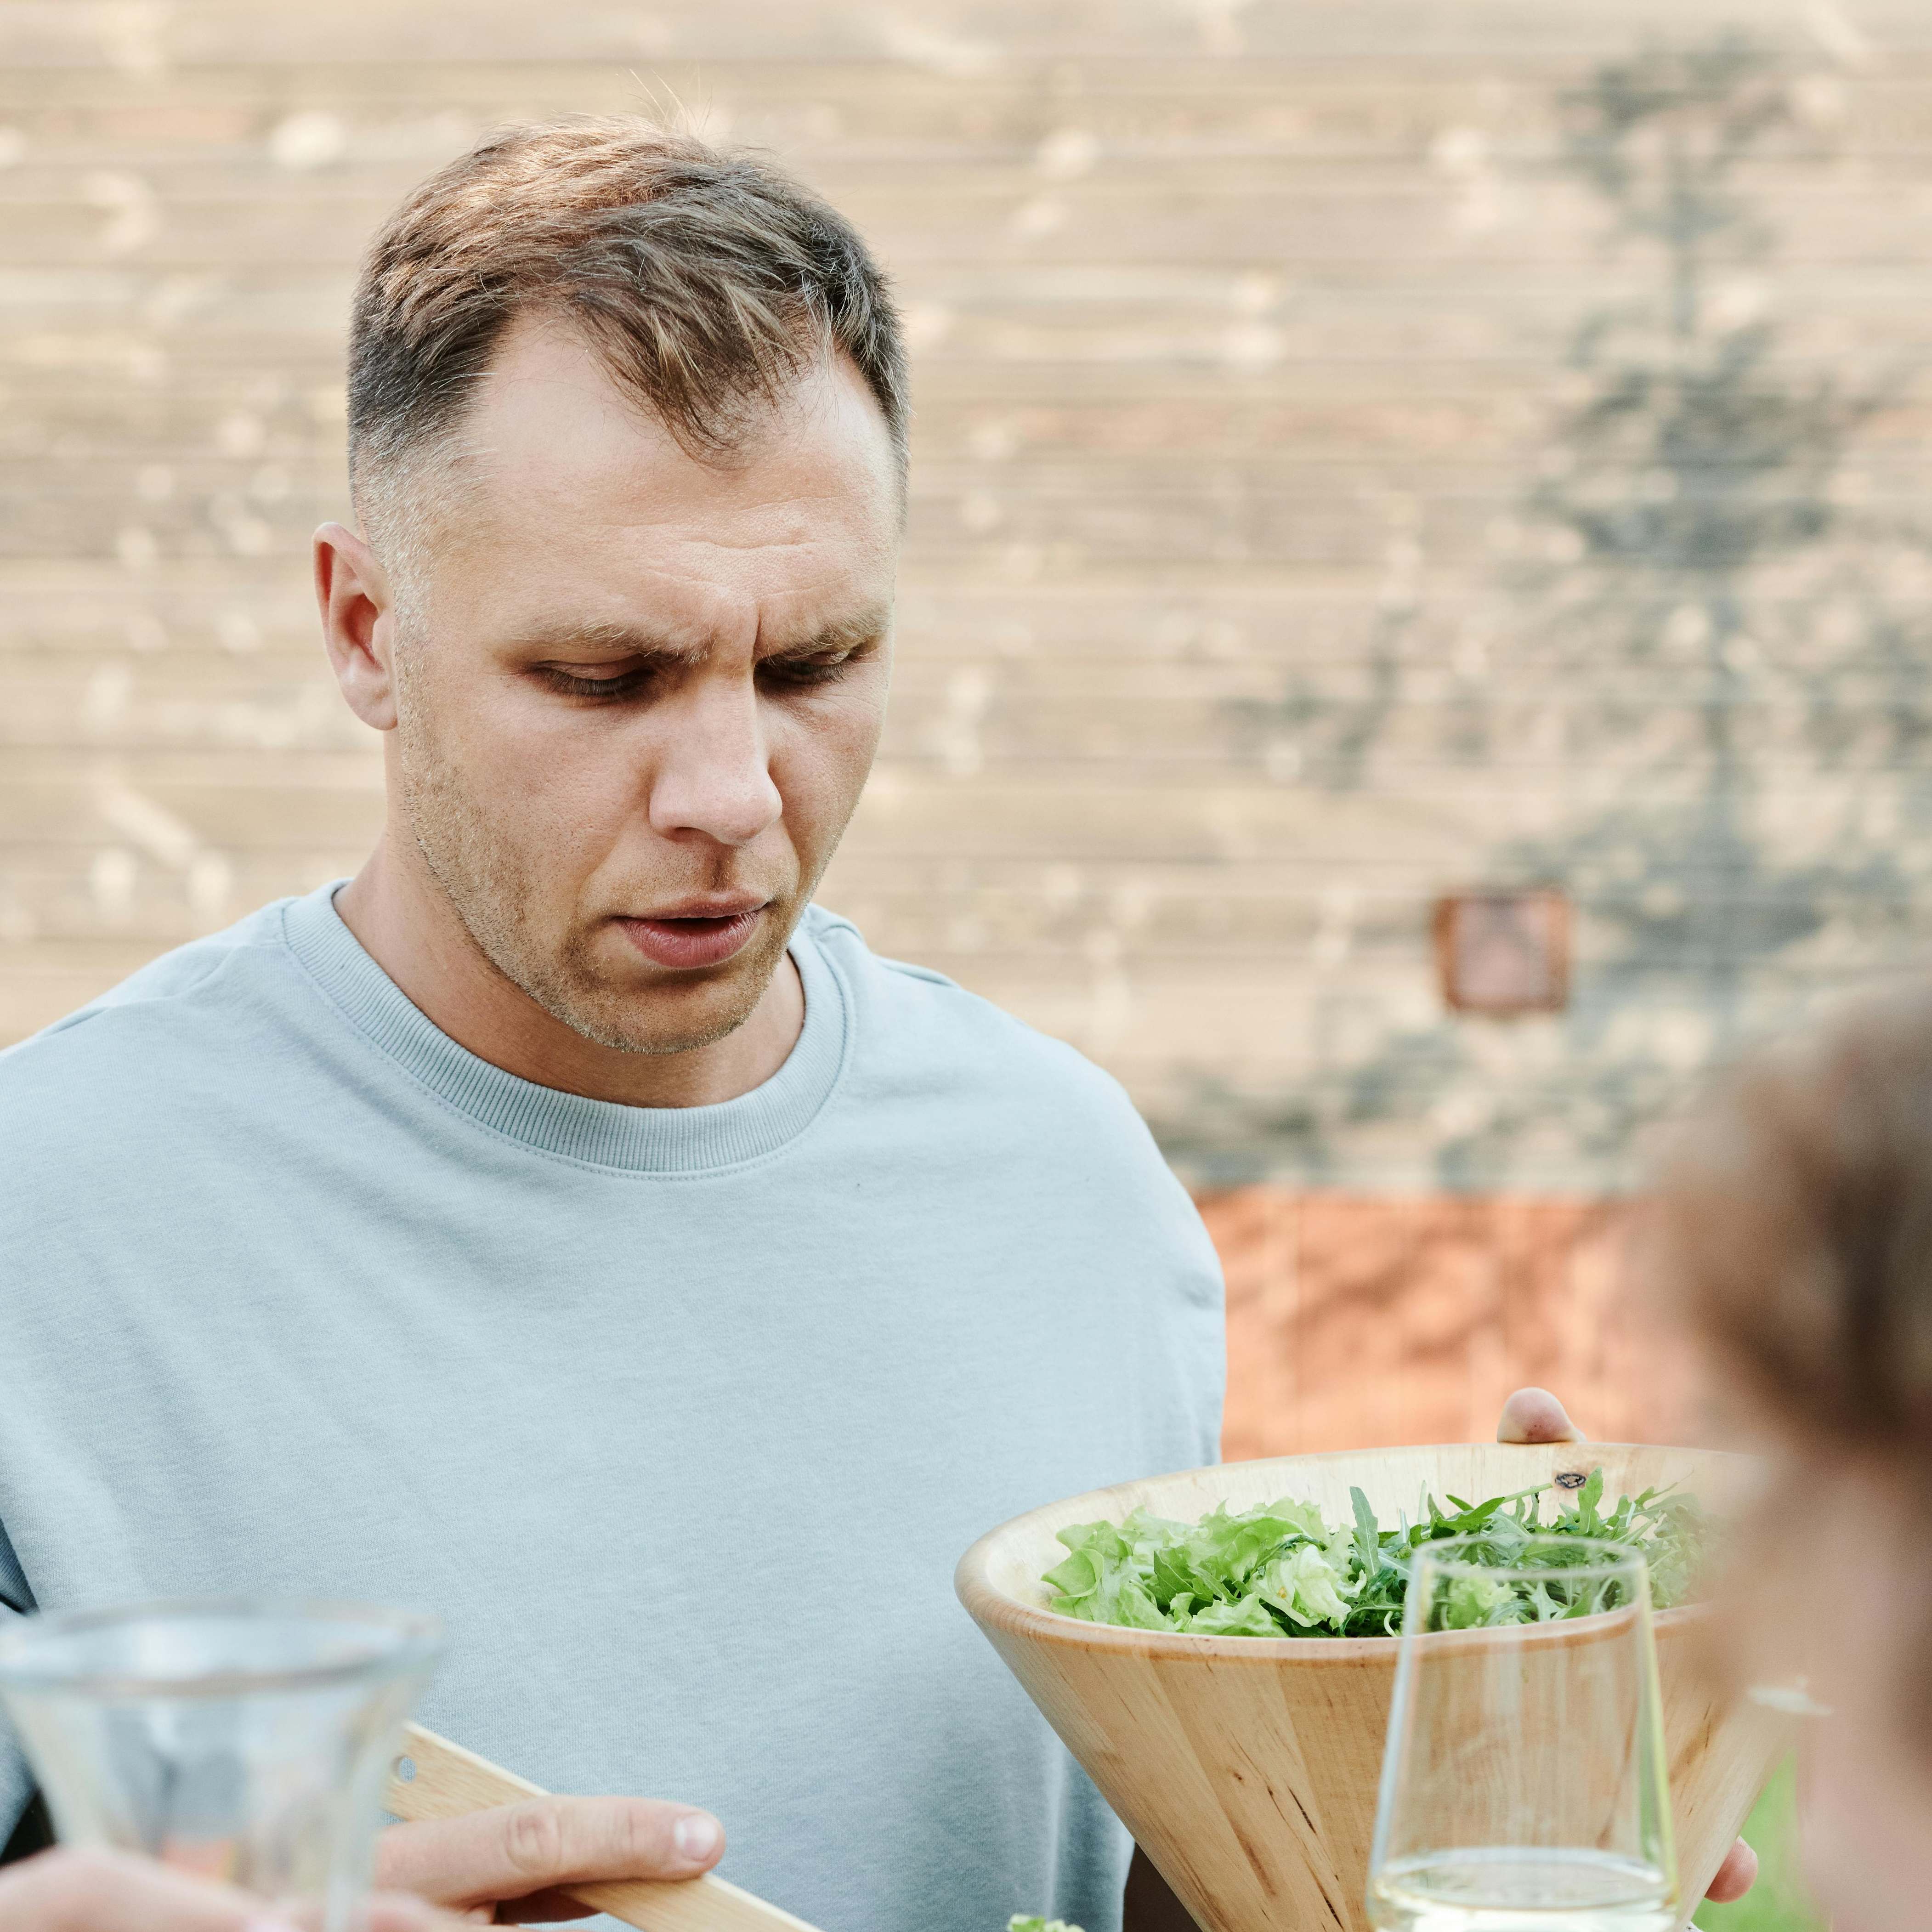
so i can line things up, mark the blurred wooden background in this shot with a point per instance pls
(1251, 581)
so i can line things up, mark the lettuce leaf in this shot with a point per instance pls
(1307, 1588)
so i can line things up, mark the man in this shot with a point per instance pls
(564, 1225)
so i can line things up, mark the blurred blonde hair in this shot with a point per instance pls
(1795, 1221)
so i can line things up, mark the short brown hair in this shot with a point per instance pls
(1796, 1220)
(707, 282)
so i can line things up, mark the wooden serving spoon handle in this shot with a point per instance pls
(444, 1781)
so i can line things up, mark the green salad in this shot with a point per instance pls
(1281, 1570)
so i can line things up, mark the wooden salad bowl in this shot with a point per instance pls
(1246, 1767)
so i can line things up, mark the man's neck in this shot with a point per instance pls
(405, 922)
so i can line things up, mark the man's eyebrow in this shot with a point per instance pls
(847, 634)
(616, 639)
(612, 640)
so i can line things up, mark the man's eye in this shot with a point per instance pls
(805, 671)
(573, 684)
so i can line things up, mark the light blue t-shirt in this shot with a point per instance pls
(680, 1418)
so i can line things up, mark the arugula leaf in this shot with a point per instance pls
(1368, 1534)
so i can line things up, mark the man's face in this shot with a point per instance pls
(638, 694)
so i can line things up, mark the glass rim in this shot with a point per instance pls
(401, 1640)
(1620, 1560)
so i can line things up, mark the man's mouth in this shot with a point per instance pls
(699, 936)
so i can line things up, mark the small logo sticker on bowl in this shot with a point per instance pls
(1571, 1479)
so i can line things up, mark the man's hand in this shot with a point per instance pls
(64, 1891)
(505, 1863)
(511, 1862)
(1535, 1415)
(1736, 1876)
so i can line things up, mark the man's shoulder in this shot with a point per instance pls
(189, 995)
(934, 1028)
(955, 1084)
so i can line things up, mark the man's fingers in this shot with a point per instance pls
(397, 1912)
(107, 1892)
(516, 1850)
(70, 1891)
(1736, 1876)
(1535, 1415)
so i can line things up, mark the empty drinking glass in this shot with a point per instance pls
(245, 1741)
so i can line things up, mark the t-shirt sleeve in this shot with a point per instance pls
(16, 1593)
(17, 1783)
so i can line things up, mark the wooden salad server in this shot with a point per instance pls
(432, 1778)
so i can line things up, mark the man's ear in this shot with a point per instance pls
(353, 593)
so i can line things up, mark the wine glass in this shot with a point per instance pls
(1524, 1784)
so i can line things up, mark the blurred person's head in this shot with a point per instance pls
(1796, 1226)
(627, 436)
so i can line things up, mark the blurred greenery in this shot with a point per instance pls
(1778, 1902)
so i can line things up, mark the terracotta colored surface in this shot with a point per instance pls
(1357, 1321)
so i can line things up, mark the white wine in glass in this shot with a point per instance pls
(1524, 1783)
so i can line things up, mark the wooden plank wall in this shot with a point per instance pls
(1240, 333)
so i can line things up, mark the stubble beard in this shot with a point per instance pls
(492, 885)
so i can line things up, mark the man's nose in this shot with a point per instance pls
(713, 770)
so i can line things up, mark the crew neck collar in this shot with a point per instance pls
(604, 1133)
